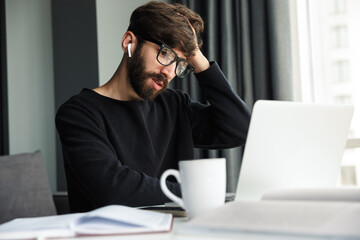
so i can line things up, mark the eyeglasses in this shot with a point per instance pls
(166, 56)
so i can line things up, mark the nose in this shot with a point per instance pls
(169, 71)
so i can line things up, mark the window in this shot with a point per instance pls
(343, 99)
(328, 49)
(339, 36)
(337, 6)
(341, 71)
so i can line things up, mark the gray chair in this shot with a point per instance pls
(24, 187)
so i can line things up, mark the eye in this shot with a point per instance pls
(164, 52)
(166, 55)
(182, 65)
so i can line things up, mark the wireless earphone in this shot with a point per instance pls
(129, 49)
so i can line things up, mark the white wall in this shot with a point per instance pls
(30, 69)
(30, 80)
(112, 21)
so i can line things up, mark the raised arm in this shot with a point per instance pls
(224, 122)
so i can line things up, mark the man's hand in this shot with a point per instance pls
(197, 58)
(198, 61)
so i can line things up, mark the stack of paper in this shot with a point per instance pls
(322, 213)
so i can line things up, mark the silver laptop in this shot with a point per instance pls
(292, 145)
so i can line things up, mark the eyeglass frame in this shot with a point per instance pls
(162, 46)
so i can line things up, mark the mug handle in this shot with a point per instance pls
(165, 189)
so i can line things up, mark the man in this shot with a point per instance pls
(119, 138)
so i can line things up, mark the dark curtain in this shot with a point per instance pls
(250, 40)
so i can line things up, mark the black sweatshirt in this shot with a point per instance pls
(115, 151)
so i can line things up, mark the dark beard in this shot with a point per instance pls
(138, 76)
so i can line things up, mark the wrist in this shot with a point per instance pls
(198, 61)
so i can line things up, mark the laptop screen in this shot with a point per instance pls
(293, 145)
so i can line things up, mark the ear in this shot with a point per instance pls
(129, 43)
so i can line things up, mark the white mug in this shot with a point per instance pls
(203, 184)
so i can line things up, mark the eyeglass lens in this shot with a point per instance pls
(167, 56)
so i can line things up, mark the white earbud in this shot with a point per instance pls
(129, 49)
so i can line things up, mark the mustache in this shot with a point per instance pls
(158, 77)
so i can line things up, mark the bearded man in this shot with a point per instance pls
(119, 138)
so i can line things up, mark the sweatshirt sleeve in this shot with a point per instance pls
(95, 176)
(224, 122)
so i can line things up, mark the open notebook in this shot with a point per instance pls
(109, 220)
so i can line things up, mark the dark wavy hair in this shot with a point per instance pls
(167, 24)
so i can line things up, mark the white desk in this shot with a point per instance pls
(176, 235)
